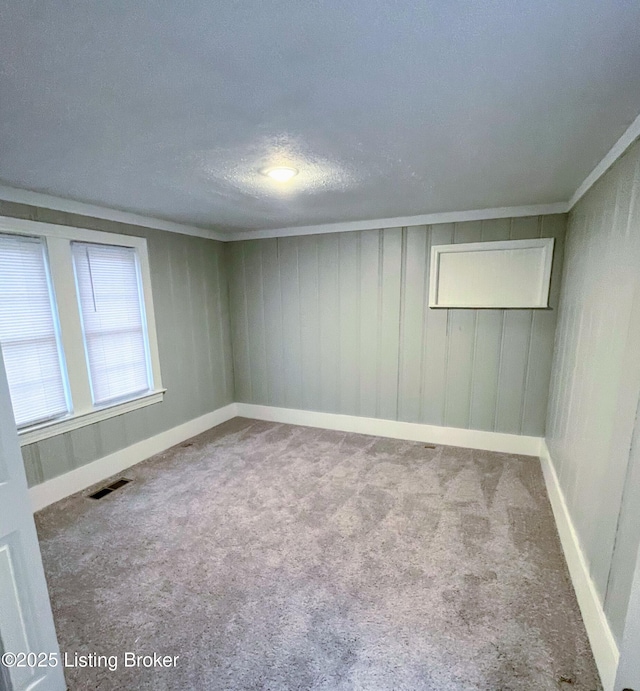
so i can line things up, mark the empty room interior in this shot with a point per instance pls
(320, 345)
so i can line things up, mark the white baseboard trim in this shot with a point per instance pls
(411, 431)
(76, 480)
(603, 644)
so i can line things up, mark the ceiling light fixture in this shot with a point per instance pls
(281, 173)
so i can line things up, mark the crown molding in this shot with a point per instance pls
(21, 196)
(47, 201)
(626, 140)
(402, 221)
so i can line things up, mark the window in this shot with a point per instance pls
(77, 327)
(28, 332)
(112, 320)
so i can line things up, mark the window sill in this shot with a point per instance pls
(36, 433)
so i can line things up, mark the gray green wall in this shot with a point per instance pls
(339, 323)
(596, 380)
(191, 308)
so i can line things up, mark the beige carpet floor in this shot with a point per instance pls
(270, 556)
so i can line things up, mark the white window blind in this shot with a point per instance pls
(109, 293)
(28, 332)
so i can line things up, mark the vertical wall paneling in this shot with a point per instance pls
(626, 543)
(369, 271)
(291, 335)
(436, 338)
(85, 444)
(219, 292)
(516, 334)
(413, 316)
(274, 350)
(542, 333)
(595, 381)
(356, 335)
(32, 464)
(182, 342)
(348, 322)
(167, 348)
(134, 425)
(194, 316)
(310, 331)
(329, 316)
(460, 350)
(239, 323)
(389, 277)
(488, 347)
(213, 358)
(254, 300)
(54, 455)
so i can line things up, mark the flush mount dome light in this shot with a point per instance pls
(281, 173)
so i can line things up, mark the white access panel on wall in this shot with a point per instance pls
(505, 274)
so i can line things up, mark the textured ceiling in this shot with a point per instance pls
(169, 109)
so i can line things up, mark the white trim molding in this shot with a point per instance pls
(403, 221)
(21, 196)
(79, 479)
(603, 644)
(626, 140)
(512, 286)
(30, 435)
(47, 201)
(411, 431)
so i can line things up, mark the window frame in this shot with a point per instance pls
(538, 248)
(42, 247)
(57, 240)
